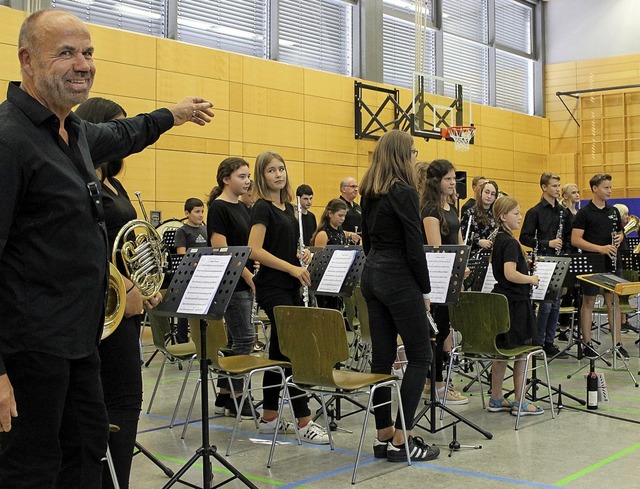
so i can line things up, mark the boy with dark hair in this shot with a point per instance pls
(476, 183)
(305, 192)
(192, 234)
(597, 228)
(547, 227)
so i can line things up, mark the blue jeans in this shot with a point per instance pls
(240, 329)
(396, 306)
(548, 314)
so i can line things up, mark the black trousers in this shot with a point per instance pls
(60, 435)
(122, 384)
(268, 298)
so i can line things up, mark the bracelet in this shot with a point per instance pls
(426, 297)
(131, 288)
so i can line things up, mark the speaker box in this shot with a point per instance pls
(461, 184)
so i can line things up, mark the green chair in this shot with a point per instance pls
(315, 341)
(178, 353)
(232, 367)
(480, 318)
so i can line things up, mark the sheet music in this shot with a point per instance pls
(336, 272)
(440, 267)
(204, 284)
(489, 280)
(544, 270)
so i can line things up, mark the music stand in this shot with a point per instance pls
(447, 285)
(618, 286)
(321, 261)
(478, 266)
(169, 307)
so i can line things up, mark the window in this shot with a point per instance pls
(399, 51)
(514, 82)
(467, 62)
(315, 34)
(466, 18)
(239, 26)
(142, 16)
(514, 25)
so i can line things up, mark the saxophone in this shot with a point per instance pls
(560, 230)
(305, 289)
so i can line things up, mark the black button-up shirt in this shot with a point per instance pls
(544, 219)
(353, 218)
(53, 253)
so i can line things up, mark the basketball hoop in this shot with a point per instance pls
(461, 136)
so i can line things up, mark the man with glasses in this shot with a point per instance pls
(353, 221)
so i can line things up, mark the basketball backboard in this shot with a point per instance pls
(439, 103)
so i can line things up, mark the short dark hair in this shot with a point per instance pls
(598, 178)
(546, 177)
(191, 203)
(304, 189)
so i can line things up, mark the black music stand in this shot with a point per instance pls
(321, 260)
(552, 294)
(453, 285)
(478, 266)
(169, 307)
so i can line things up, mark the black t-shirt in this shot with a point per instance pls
(191, 237)
(233, 221)
(309, 226)
(118, 210)
(598, 224)
(353, 218)
(469, 204)
(507, 249)
(453, 223)
(280, 239)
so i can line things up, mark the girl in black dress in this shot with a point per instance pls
(514, 282)
(274, 243)
(441, 227)
(120, 352)
(329, 230)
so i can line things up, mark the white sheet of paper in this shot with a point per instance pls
(204, 284)
(544, 270)
(440, 267)
(336, 271)
(489, 280)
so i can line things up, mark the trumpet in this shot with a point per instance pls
(139, 249)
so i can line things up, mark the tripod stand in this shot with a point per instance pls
(140, 449)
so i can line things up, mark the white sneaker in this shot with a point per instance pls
(269, 427)
(314, 433)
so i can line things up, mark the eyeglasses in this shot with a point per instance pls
(351, 186)
(415, 152)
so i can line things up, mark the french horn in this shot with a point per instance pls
(633, 225)
(139, 249)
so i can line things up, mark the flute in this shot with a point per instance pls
(560, 230)
(305, 289)
(466, 235)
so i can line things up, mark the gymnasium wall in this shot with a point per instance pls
(608, 138)
(306, 115)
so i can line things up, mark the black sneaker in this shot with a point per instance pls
(380, 448)
(419, 451)
(245, 411)
(564, 335)
(622, 352)
(552, 351)
(589, 351)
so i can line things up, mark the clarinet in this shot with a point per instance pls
(614, 235)
(560, 230)
(534, 257)
(305, 289)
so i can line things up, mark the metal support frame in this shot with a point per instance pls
(576, 94)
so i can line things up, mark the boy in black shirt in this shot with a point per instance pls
(192, 234)
(309, 223)
(598, 229)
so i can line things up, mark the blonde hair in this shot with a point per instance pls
(622, 209)
(261, 189)
(502, 206)
(566, 193)
(391, 163)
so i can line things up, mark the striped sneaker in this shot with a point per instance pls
(314, 433)
(419, 451)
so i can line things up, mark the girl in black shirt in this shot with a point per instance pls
(513, 281)
(479, 221)
(228, 223)
(120, 352)
(395, 284)
(329, 230)
(274, 243)
(441, 227)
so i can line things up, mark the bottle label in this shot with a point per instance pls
(592, 399)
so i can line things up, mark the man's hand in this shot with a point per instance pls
(8, 407)
(192, 109)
